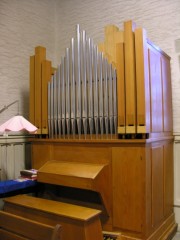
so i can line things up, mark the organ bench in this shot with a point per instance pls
(75, 220)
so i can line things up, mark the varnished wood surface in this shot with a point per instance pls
(76, 221)
(46, 77)
(26, 228)
(104, 140)
(7, 235)
(130, 82)
(40, 55)
(139, 179)
(142, 81)
(167, 94)
(90, 176)
(78, 170)
(120, 66)
(57, 208)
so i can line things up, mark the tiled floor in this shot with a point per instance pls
(177, 236)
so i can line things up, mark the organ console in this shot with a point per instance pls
(104, 141)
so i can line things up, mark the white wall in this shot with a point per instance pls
(24, 24)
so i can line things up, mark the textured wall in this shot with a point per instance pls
(24, 24)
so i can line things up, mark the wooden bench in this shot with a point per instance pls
(13, 227)
(77, 222)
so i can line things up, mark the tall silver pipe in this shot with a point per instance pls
(95, 89)
(89, 86)
(105, 93)
(59, 99)
(83, 92)
(115, 100)
(78, 80)
(67, 87)
(72, 81)
(49, 108)
(52, 107)
(55, 104)
(84, 82)
(100, 83)
(63, 99)
(110, 99)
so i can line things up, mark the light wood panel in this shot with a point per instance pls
(89, 153)
(128, 189)
(40, 55)
(37, 151)
(129, 57)
(155, 90)
(142, 82)
(167, 94)
(46, 77)
(157, 196)
(121, 100)
(168, 179)
(110, 43)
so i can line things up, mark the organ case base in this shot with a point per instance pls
(139, 180)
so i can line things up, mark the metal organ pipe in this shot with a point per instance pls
(82, 93)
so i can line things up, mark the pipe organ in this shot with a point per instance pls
(82, 92)
(104, 140)
(105, 90)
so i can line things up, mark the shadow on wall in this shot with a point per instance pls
(25, 103)
(177, 49)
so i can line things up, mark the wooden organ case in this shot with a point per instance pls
(129, 169)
